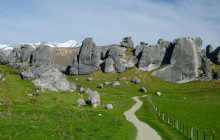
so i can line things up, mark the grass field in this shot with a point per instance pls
(52, 115)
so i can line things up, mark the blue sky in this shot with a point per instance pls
(108, 21)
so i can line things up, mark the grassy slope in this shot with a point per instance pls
(56, 116)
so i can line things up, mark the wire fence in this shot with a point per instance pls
(189, 131)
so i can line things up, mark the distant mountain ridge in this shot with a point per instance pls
(6, 49)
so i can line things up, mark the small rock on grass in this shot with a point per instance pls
(143, 89)
(158, 93)
(89, 79)
(109, 106)
(80, 102)
(29, 94)
(100, 86)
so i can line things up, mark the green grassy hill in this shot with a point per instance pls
(53, 115)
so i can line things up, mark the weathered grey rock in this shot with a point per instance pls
(123, 78)
(207, 70)
(114, 83)
(30, 95)
(119, 67)
(139, 49)
(89, 79)
(109, 106)
(109, 65)
(42, 56)
(89, 57)
(48, 77)
(73, 70)
(143, 89)
(81, 89)
(3, 59)
(104, 53)
(94, 98)
(154, 56)
(88, 91)
(216, 56)
(72, 86)
(126, 83)
(41, 89)
(209, 50)
(135, 80)
(115, 52)
(127, 43)
(106, 83)
(100, 86)
(25, 53)
(80, 102)
(158, 93)
(218, 75)
(185, 61)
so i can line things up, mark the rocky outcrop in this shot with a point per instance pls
(209, 50)
(127, 43)
(46, 74)
(42, 56)
(87, 60)
(185, 61)
(218, 75)
(216, 56)
(3, 59)
(139, 49)
(206, 74)
(154, 56)
(109, 65)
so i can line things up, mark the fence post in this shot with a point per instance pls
(204, 135)
(191, 135)
(177, 125)
(163, 116)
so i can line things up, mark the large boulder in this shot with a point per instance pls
(216, 56)
(109, 65)
(139, 49)
(87, 60)
(119, 67)
(154, 56)
(47, 76)
(25, 53)
(115, 52)
(42, 56)
(185, 61)
(127, 43)
(3, 58)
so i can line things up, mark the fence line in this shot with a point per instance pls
(175, 124)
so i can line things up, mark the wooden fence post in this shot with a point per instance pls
(191, 135)
(177, 125)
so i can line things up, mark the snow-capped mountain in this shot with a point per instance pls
(6, 49)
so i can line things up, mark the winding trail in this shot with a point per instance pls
(145, 132)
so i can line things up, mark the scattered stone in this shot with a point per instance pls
(89, 79)
(29, 94)
(0, 103)
(106, 83)
(3, 79)
(123, 78)
(41, 89)
(109, 106)
(71, 90)
(94, 99)
(76, 79)
(37, 91)
(114, 83)
(94, 74)
(184, 98)
(72, 86)
(158, 93)
(100, 114)
(81, 89)
(100, 86)
(88, 91)
(143, 89)
(126, 83)
(80, 102)
(135, 80)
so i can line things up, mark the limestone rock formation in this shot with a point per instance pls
(109, 65)
(154, 56)
(109, 106)
(87, 60)
(185, 61)
(207, 70)
(216, 56)
(218, 75)
(209, 50)
(135, 80)
(94, 98)
(80, 102)
(42, 56)
(127, 43)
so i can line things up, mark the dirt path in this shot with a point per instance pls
(145, 132)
